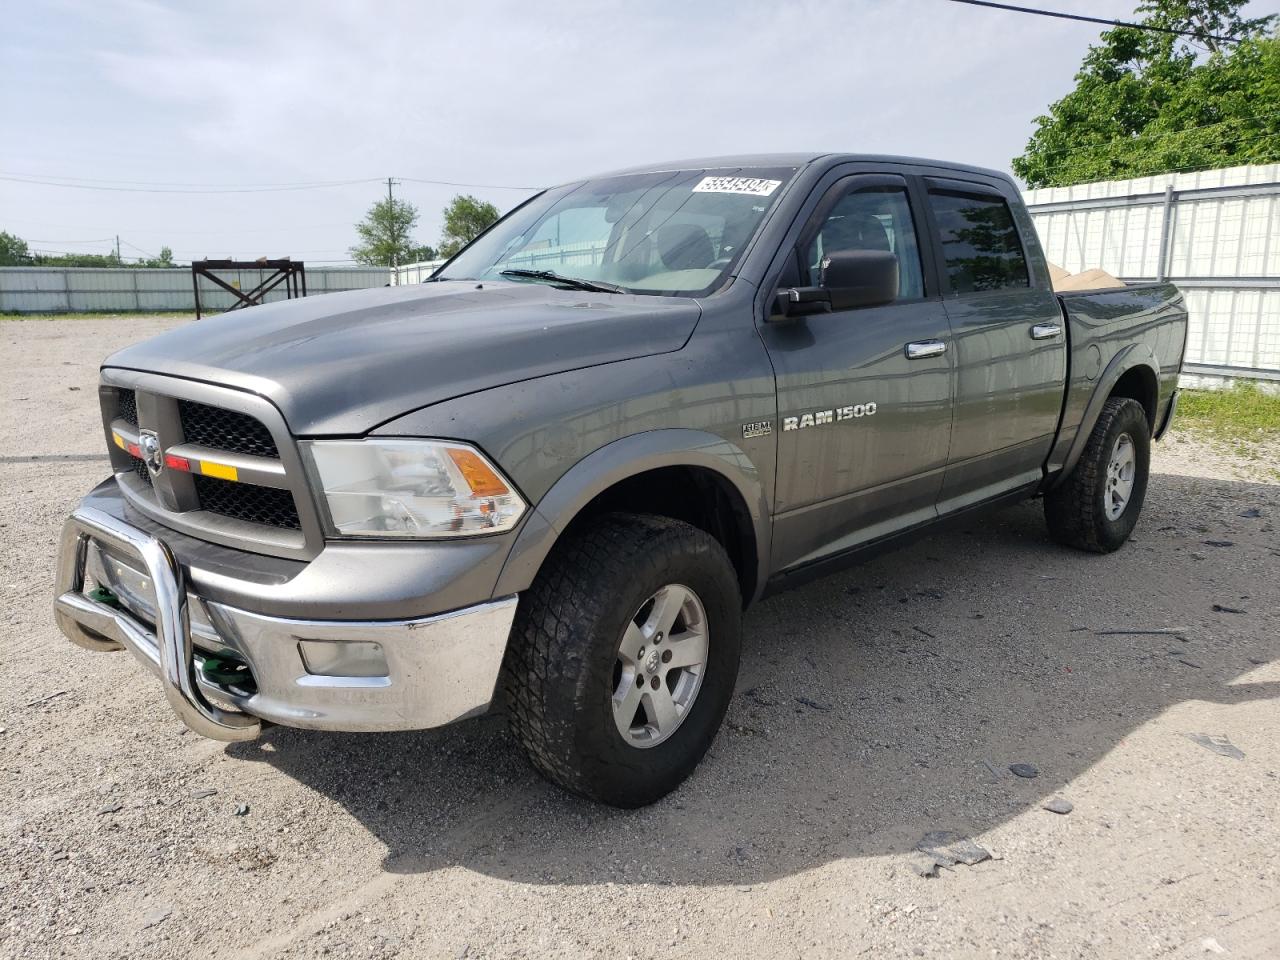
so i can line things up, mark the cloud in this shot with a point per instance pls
(501, 92)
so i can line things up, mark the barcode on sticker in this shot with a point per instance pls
(750, 185)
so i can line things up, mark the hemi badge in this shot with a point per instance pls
(219, 470)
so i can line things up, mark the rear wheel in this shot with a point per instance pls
(1097, 505)
(623, 657)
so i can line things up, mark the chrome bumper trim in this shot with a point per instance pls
(168, 652)
(440, 668)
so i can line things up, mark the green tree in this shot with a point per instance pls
(76, 260)
(1148, 103)
(384, 234)
(465, 218)
(422, 254)
(13, 251)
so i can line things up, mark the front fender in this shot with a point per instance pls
(628, 457)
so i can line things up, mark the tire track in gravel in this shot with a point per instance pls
(382, 883)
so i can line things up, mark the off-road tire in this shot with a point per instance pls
(558, 675)
(1075, 510)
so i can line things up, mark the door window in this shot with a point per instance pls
(871, 218)
(980, 242)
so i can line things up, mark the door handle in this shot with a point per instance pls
(921, 349)
(1045, 331)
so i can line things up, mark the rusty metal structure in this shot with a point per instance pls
(292, 273)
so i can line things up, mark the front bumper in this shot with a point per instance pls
(433, 670)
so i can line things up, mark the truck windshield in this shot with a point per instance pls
(674, 233)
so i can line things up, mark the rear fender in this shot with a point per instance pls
(1126, 359)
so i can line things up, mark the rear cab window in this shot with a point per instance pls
(981, 247)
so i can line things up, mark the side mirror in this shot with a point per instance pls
(860, 278)
(849, 279)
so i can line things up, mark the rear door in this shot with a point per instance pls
(864, 418)
(1009, 342)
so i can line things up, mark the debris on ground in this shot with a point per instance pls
(1160, 632)
(242, 810)
(1219, 608)
(812, 704)
(201, 794)
(923, 864)
(1024, 770)
(1220, 745)
(157, 916)
(1218, 543)
(110, 808)
(1251, 513)
(947, 849)
(55, 694)
(1059, 805)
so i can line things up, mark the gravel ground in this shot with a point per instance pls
(874, 708)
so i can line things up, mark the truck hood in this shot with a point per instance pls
(344, 363)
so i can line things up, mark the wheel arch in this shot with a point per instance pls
(1131, 373)
(655, 472)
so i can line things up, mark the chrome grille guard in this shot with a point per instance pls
(168, 653)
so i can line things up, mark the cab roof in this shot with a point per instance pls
(732, 161)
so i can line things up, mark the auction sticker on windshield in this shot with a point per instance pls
(750, 185)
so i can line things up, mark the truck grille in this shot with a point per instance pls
(227, 430)
(141, 471)
(190, 495)
(127, 406)
(248, 502)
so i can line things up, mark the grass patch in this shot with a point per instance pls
(1241, 413)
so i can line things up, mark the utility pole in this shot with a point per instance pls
(118, 250)
(391, 213)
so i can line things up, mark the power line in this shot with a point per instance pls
(91, 186)
(142, 186)
(150, 256)
(474, 186)
(1105, 22)
(235, 231)
(98, 240)
(183, 183)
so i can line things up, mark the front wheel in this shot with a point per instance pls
(623, 657)
(1096, 506)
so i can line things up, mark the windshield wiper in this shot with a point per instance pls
(577, 283)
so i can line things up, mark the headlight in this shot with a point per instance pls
(411, 488)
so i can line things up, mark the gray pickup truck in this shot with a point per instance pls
(550, 479)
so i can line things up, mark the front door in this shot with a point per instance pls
(864, 396)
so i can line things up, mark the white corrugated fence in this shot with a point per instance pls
(147, 290)
(1216, 234)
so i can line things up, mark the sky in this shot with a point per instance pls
(150, 99)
